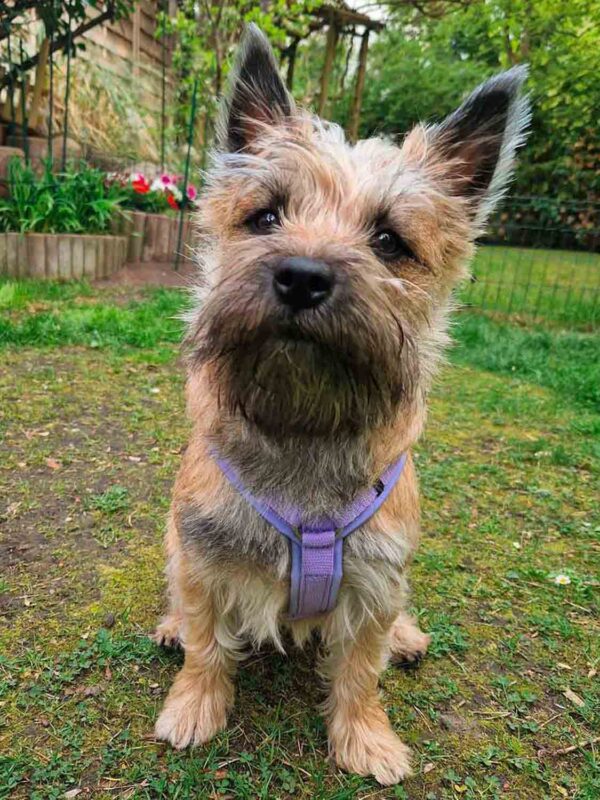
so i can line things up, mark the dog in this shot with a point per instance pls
(327, 277)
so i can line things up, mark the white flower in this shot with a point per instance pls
(562, 580)
(157, 185)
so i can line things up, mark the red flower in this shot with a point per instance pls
(141, 185)
(172, 202)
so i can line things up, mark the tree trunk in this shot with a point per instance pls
(359, 86)
(40, 75)
(332, 35)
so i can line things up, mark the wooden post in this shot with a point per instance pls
(40, 74)
(291, 64)
(332, 36)
(135, 40)
(358, 88)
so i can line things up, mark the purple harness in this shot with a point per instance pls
(317, 549)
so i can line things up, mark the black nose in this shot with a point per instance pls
(302, 282)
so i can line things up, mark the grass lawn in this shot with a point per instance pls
(506, 705)
(559, 285)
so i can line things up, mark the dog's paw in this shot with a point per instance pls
(377, 752)
(167, 632)
(408, 643)
(191, 716)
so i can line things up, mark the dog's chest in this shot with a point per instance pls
(234, 534)
(237, 534)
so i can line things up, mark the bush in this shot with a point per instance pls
(70, 202)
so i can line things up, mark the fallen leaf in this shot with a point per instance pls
(53, 463)
(574, 698)
(72, 793)
(428, 767)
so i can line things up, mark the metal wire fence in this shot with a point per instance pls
(541, 261)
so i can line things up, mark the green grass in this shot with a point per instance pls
(564, 361)
(92, 427)
(70, 313)
(558, 285)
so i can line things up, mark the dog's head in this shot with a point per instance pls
(329, 266)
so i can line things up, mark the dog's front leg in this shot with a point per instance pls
(196, 707)
(360, 735)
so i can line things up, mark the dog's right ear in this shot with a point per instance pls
(257, 96)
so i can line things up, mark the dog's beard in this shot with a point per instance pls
(293, 380)
(297, 387)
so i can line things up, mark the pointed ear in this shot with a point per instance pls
(475, 146)
(257, 96)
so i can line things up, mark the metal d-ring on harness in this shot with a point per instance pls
(317, 549)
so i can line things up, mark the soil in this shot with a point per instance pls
(151, 273)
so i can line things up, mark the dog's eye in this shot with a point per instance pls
(263, 221)
(389, 246)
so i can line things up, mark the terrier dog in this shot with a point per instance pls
(328, 275)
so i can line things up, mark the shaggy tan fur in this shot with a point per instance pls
(312, 408)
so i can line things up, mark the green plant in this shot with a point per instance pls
(70, 202)
(115, 498)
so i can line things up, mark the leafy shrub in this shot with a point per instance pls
(70, 202)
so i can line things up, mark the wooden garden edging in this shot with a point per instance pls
(153, 237)
(61, 256)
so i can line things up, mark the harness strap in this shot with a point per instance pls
(317, 550)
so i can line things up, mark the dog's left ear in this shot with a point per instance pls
(257, 95)
(473, 149)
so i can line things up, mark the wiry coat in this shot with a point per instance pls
(311, 407)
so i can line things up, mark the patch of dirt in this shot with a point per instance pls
(60, 455)
(457, 724)
(151, 274)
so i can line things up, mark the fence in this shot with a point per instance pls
(541, 260)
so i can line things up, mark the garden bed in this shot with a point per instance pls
(61, 256)
(154, 237)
